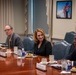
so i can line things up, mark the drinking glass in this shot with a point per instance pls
(51, 58)
(8, 53)
(43, 60)
(64, 65)
(15, 49)
(19, 53)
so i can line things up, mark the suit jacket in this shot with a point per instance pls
(72, 53)
(72, 48)
(15, 41)
(44, 50)
(72, 56)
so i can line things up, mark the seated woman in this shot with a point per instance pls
(42, 46)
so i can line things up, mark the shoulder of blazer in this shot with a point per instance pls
(15, 36)
(35, 44)
(45, 41)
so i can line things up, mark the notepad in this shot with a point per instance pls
(65, 72)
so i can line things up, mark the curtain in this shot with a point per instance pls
(26, 16)
(6, 17)
(49, 17)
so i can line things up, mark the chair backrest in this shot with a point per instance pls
(60, 50)
(28, 44)
(69, 37)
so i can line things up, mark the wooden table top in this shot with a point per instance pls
(15, 66)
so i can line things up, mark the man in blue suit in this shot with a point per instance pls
(12, 38)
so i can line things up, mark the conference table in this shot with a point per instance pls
(12, 65)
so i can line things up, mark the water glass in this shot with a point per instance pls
(64, 65)
(43, 60)
(51, 58)
(15, 49)
(8, 52)
(19, 53)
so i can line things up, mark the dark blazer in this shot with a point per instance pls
(72, 56)
(72, 53)
(72, 48)
(15, 41)
(44, 50)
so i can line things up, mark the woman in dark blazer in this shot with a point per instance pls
(42, 46)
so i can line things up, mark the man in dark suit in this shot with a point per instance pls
(72, 52)
(12, 38)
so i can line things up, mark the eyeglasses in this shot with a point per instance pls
(6, 30)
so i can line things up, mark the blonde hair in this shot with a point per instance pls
(35, 34)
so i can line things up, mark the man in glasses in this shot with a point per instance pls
(12, 38)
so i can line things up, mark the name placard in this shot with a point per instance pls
(41, 66)
(3, 54)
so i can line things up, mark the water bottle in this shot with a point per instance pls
(69, 66)
(23, 52)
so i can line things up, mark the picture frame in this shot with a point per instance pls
(64, 9)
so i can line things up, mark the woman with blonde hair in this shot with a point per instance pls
(42, 46)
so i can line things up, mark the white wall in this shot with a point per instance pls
(61, 26)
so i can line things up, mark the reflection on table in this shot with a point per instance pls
(14, 65)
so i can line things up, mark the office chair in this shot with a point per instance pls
(28, 44)
(69, 37)
(60, 50)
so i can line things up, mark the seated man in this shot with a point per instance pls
(12, 38)
(72, 52)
